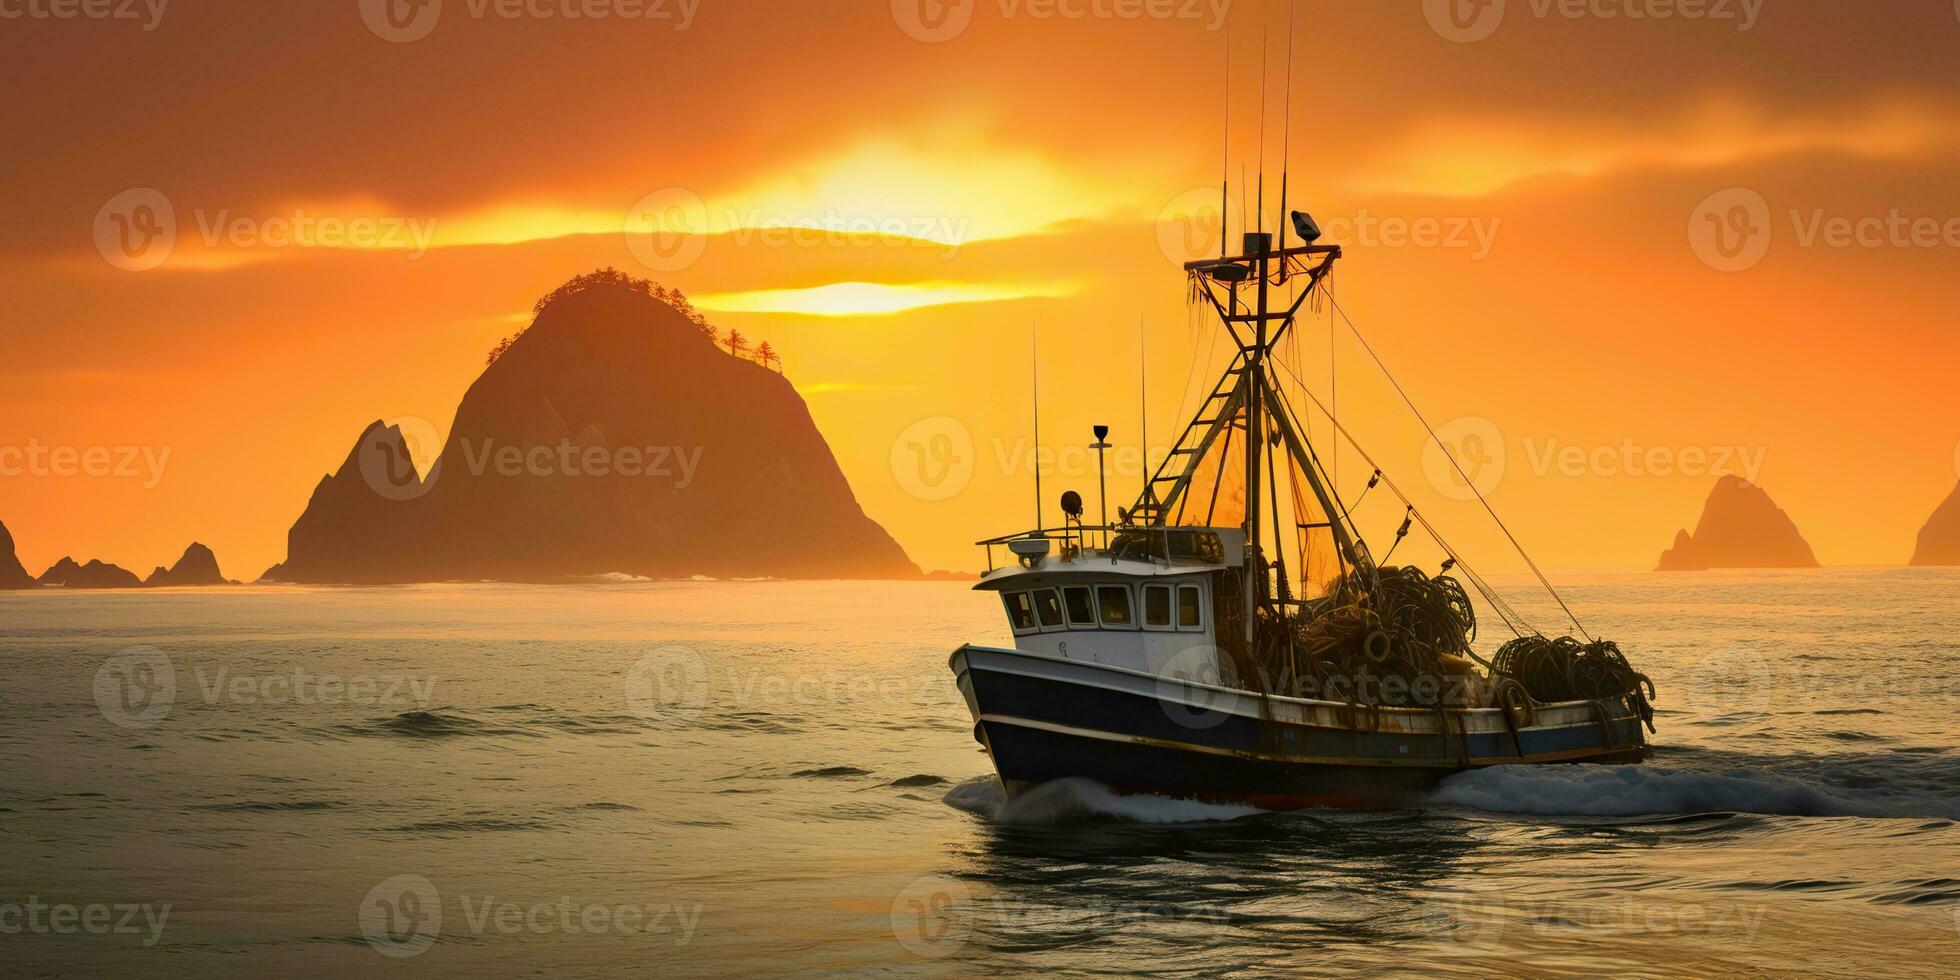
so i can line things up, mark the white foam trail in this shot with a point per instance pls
(1626, 791)
(1079, 800)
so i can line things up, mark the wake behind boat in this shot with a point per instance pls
(1231, 636)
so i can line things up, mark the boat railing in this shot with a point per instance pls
(1161, 544)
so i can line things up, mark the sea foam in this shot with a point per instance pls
(1626, 791)
(1082, 801)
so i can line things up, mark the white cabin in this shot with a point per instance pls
(1147, 602)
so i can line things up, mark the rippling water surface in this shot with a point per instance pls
(722, 779)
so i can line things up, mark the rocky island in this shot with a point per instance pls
(613, 436)
(1740, 527)
(1939, 540)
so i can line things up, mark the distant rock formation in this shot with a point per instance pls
(612, 437)
(1939, 540)
(197, 567)
(94, 575)
(12, 575)
(1741, 527)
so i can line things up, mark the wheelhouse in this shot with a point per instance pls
(1148, 600)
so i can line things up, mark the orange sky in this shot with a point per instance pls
(1019, 170)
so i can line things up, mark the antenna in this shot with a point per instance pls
(1034, 348)
(1265, 56)
(1143, 397)
(1286, 140)
(1225, 161)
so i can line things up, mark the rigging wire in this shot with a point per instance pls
(1511, 617)
(1451, 456)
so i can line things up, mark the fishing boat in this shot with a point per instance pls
(1230, 636)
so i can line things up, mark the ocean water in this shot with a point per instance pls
(722, 779)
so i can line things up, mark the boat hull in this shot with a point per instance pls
(1043, 718)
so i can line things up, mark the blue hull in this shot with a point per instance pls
(1043, 718)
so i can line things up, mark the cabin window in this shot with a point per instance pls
(1048, 606)
(1114, 603)
(1081, 605)
(1157, 607)
(1190, 608)
(1020, 612)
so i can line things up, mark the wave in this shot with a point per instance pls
(1065, 801)
(1629, 791)
(431, 724)
(830, 772)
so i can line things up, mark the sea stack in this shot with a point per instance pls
(197, 567)
(1741, 527)
(612, 436)
(1939, 540)
(12, 575)
(94, 575)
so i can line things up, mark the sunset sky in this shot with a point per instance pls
(1592, 283)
